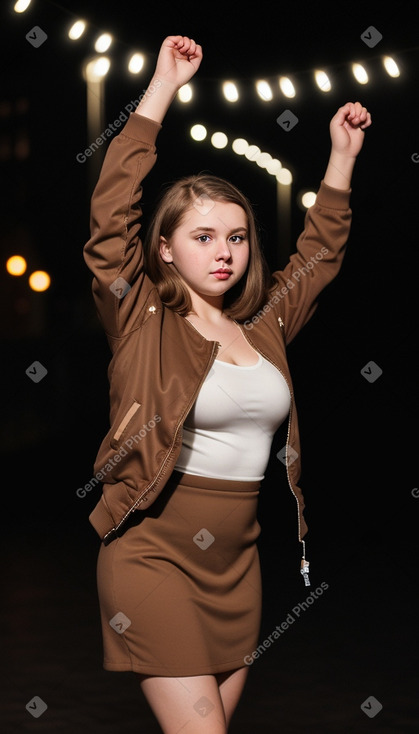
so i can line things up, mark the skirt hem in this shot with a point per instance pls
(164, 673)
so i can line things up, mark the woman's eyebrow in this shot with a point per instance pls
(212, 229)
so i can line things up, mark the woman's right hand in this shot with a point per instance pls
(178, 60)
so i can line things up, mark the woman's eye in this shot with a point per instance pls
(203, 238)
(238, 238)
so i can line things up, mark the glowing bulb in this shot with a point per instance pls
(103, 42)
(230, 92)
(97, 68)
(77, 30)
(21, 6)
(135, 63)
(240, 145)
(284, 176)
(185, 93)
(308, 199)
(219, 140)
(263, 159)
(198, 132)
(287, 87)
(39, 280)
(360, 73)
(264, 90)
(274, 166)
(390, 66)
(322, 81)
(16, 265)
(252, 152)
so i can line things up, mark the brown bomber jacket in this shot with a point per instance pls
(159, 360)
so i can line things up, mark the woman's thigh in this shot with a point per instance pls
(190, 705)
(231, 687)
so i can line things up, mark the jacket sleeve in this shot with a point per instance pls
(114, 251)
(317, 260)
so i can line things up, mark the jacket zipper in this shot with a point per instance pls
(304, 563)
(215, 348)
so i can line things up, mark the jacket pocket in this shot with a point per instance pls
(123, 425)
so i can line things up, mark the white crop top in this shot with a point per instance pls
(229, 430)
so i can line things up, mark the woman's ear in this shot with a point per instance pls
(165, 250)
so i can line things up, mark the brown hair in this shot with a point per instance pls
(247, 296)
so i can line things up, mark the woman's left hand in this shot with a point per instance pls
(347, 128)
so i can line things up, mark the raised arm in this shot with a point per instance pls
(114, 251)
(322, 243)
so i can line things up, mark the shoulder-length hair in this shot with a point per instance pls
(247, 296)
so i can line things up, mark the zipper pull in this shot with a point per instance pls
(304, 571)
(304, 566)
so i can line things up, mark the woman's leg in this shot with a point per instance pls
(191, 705)
(231, 687)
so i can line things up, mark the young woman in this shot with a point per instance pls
(199, 384)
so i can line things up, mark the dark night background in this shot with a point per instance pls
(359, 439)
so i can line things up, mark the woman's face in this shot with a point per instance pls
(212, 236)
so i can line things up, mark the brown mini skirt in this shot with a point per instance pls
(180, 588)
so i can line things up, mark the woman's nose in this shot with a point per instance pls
(223, 250)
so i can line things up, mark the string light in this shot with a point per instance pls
(21, 6)
(251, 152)
(16, 265)
(39, 281)
(230, 91)
(97, 68)
(391, 66)
(284, 176)
(322, 80)
(219, 140)
(240, 145)
(136, 63)
(103, 43)
(286, 86)
(185, 93)
(76, 30)
(198, 132)
(306, 199)
(360, 73)
(264, 90)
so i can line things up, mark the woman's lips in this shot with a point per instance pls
(222, 274)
